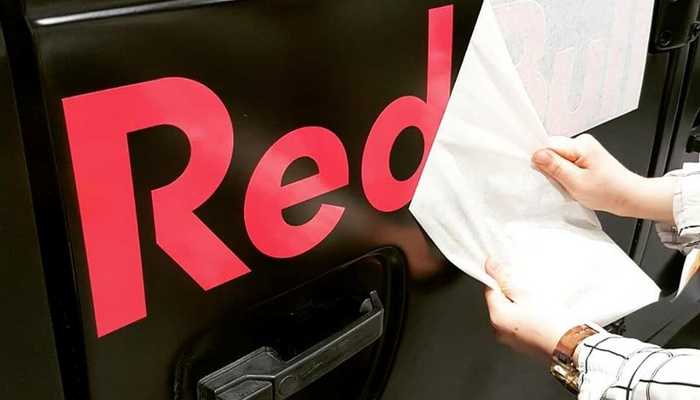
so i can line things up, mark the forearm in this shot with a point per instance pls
(650, 198)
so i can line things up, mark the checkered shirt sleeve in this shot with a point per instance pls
(684, 234)
(618, 368)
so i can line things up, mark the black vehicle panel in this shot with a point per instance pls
(277, 66)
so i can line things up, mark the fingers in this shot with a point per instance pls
(496, 271)
(578, 150)
(558, 168)
(495, 299)
(532, 328)
(568, 148)
(565, 159)
(498, 306)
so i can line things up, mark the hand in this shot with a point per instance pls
(594, 178)
(519, 321)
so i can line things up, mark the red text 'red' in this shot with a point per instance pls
(99, 123)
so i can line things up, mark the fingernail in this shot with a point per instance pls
(542, 157)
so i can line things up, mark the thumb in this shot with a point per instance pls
(558, 168)
(497, 303)
(570, 149)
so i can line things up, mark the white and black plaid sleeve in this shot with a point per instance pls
(617, 368)
(684, 235)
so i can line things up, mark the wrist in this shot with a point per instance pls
(555, 334)
(632, 189)
(656, 203)
(567, 347)
(648, 198)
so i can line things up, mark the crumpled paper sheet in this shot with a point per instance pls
(480, 196)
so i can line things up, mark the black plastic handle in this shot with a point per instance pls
(262, 375)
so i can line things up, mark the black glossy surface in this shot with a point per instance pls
(28, 362)
(279, 65)
(304, 317)
(275, 73)
(665, 264)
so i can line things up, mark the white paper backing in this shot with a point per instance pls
(581, 61)
(479, 196)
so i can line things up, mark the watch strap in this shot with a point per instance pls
(563, 368)
(564, 352)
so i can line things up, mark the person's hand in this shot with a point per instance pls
(594, 178)
(519, 320)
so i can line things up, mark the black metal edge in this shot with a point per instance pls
(48, 205)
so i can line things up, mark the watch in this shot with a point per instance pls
(563, 368)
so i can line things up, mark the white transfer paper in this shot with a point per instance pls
(581, 62)
(479, 196)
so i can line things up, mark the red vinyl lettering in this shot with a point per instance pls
(266, 198)
(383, 191)
(98, 124)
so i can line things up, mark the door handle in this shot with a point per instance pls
(263, 375)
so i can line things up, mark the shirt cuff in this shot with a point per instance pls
(684, 234)
(600, 362)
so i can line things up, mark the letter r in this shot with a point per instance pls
(98, 124)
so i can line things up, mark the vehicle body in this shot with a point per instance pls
(110, 294)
